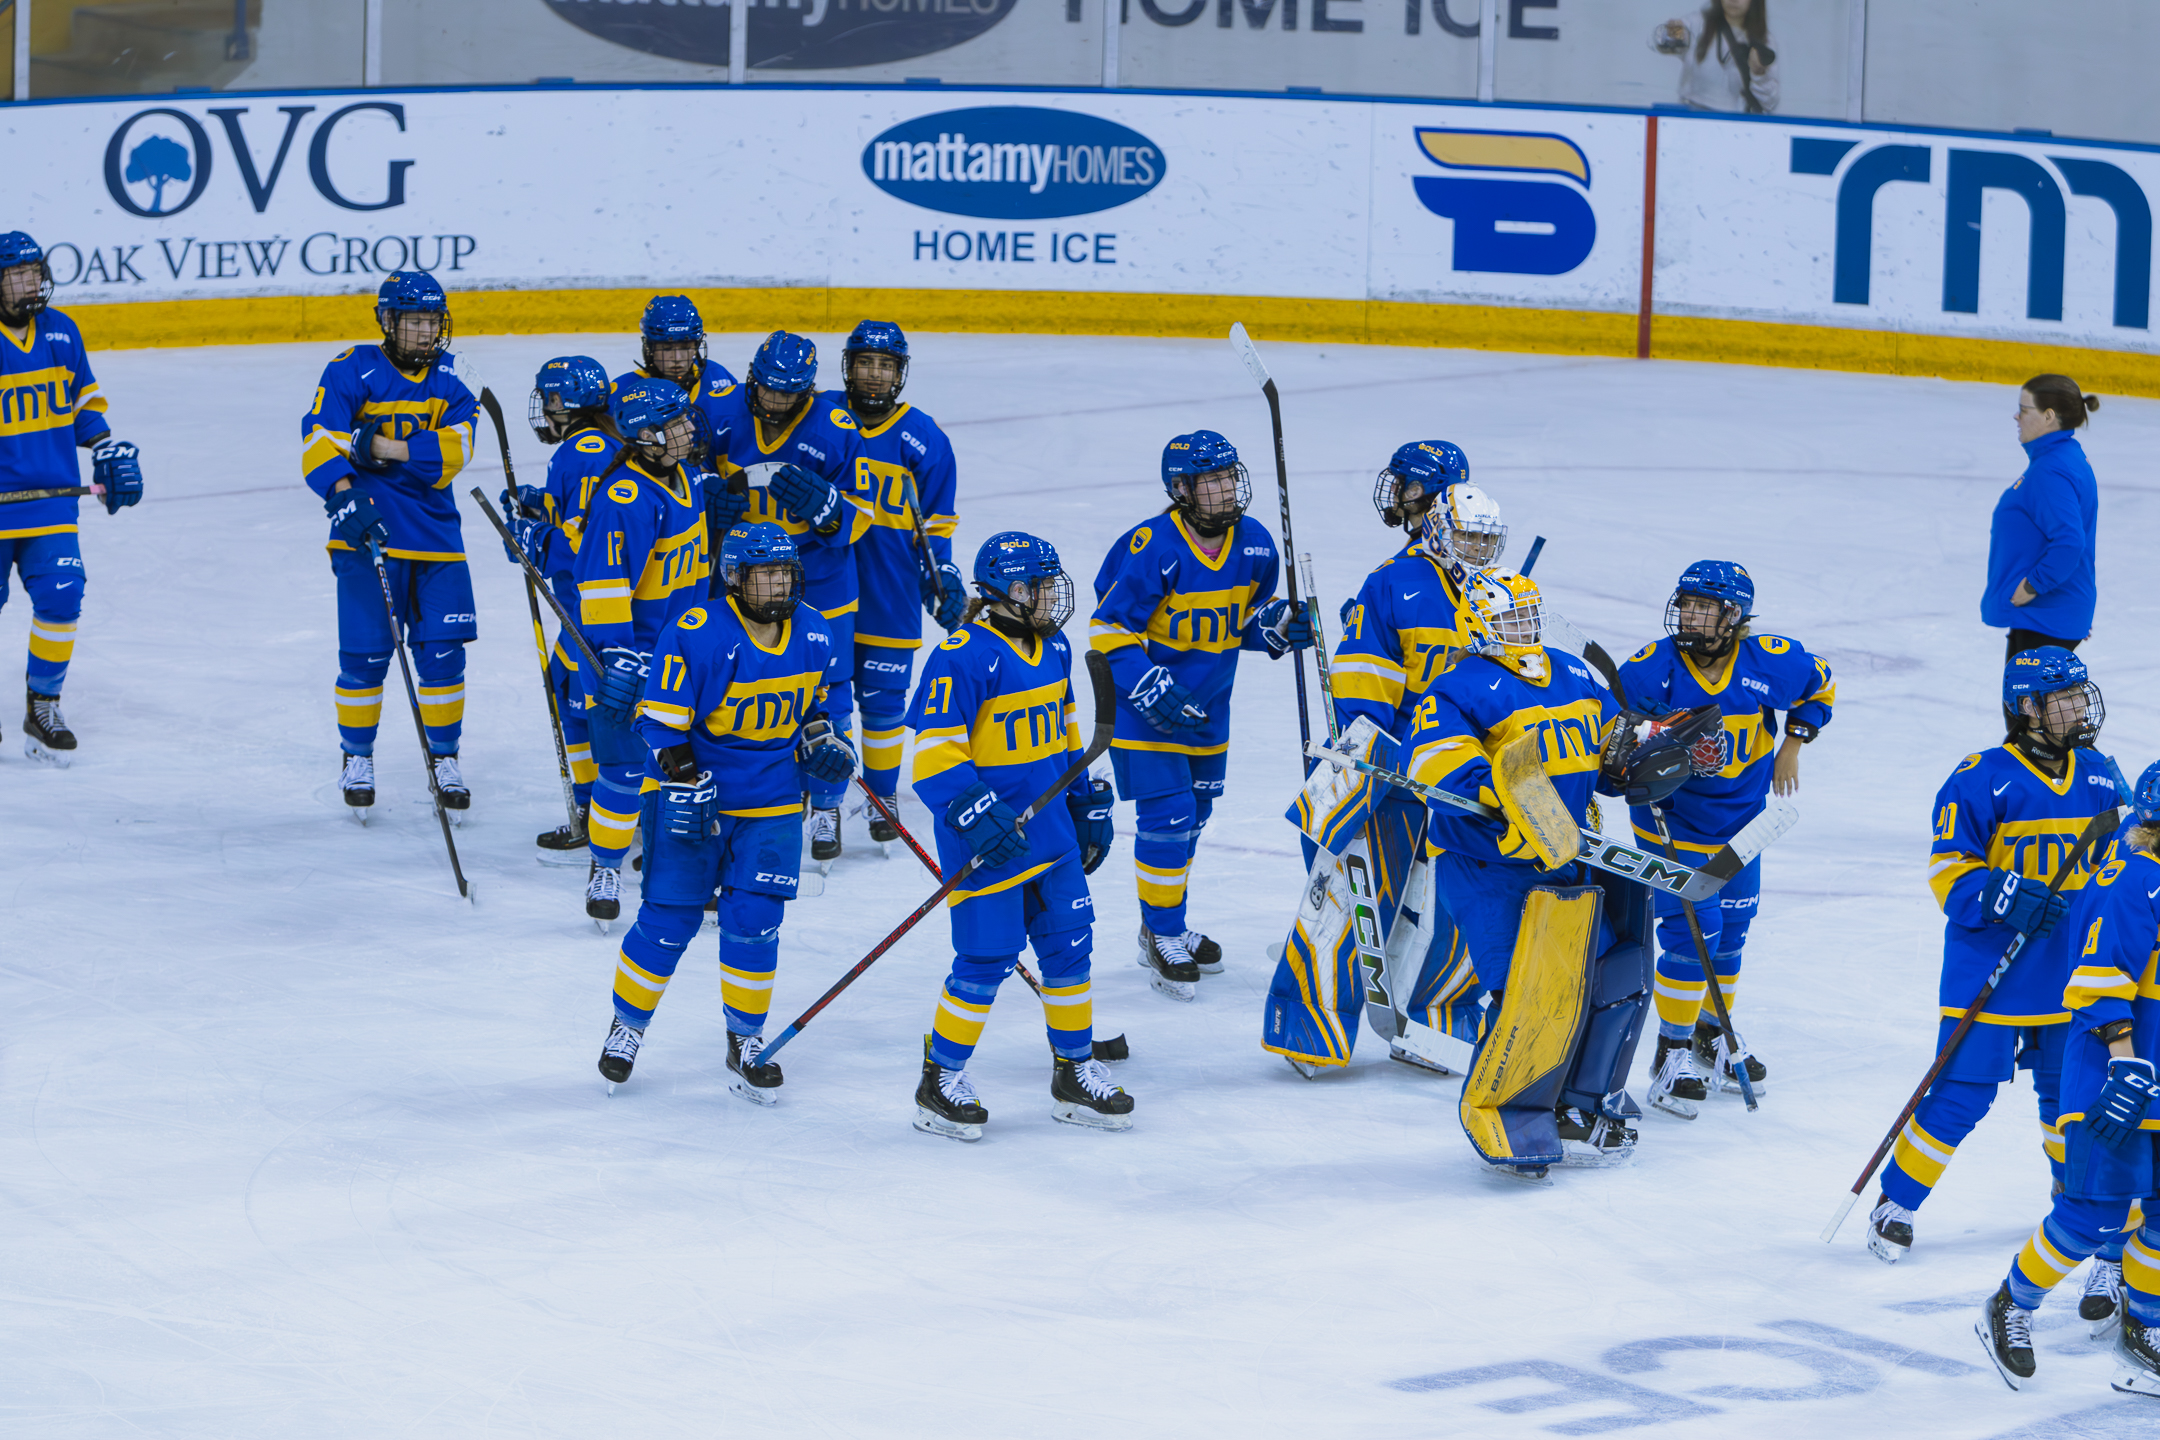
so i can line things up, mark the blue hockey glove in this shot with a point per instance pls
(1165, 704)
(527, 500)
(533, 536)
(690, 809)
(1089, 802)
(822, 754)
(724, 506)
(622, 680)
(2123, 1102)
(1343, 615)
(363, 445)
(2022, 903)
(1285, 627)
(944, 595)
(116, 469)
(355, 520)
(805, 496)
(990, 826)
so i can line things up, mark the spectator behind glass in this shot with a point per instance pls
(2041, 582)
(1731, 67)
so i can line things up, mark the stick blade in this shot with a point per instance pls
(1829, 1231)
(1247, 352)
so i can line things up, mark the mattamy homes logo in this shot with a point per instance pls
(1013, 162)
(804, 35)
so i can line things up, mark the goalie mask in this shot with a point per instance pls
(1463, 532)
(1506, 622)
(2050, 704)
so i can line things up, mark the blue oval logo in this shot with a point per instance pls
(1013, 162)
(823, 36)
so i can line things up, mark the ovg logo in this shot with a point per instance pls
(1013, 162)
(807, 35)
(1515, 227)
(157, 162)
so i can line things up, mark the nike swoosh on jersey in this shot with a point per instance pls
(1411, 594)
(2002, 787)
(1496, 684)
(2149, 894)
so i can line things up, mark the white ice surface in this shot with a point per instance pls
(292, 1143)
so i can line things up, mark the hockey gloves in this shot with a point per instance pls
(1284, 627)
(690, 809)
(2022, 903)
(1089, 803)
(944, 596)
(806, 497)
(1646, 758)
(116, 469)
(822, 754)
(1165, 704)
(988, 825)
(2128, 1094)
(725, 504)
(622, 681)
(355, 520)
(533, 536)
(363, 445)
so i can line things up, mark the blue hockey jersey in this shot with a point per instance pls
(1407, 625)
(708, 392)
(904, 468)
(823, 440)
(50, 405)
(643, 560)
(430, 410)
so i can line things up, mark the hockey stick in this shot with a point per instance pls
(2100, 826)
(1098, 667)
(1529, 561)
(1320, 655)
(412, 693)
(1113, 1049)
(922, 540)
(1717, 993)
(493, 407)
(16, 497)
(532, 573)
(1244, 346)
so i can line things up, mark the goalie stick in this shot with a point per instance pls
(1244, 346)
(1105, 694)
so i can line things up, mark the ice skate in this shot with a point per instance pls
(565, 844)
(1710, 1056)
(2137, 1357)
(450, 784)
(620, 1052)
(1303, 1067)
(1081, 1094)
(1113, 1051)
(2102, 1302)
(1889, 1230)
(46, 736)
(945, 1104)
(357, 784)
(883, 831)
(603, 895)
(1206, 954)
(759, 1084)
(825, 838)
(1169, 964)
(1676, 1086)
(2006, 1331)
(1594, 1142)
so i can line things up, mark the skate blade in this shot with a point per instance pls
(1523, 1174)
(600, 923)
(1207, 969)
(1729, 1086)
(1581, 1155)
(884, 849)
(824, 867)
(610, 1086)
(1884, 1250)
(58, 759)
(2105, 1330)
(1309, 1071)
(1674, 1106)
(931, 1123)
(1181, 991)
(1987, 1343)
(359, 814)
(770, 1095)
(1072, 1112)
(2135, 1380)
(1416, 1062)
(563, 857)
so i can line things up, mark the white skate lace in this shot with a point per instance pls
(752, 1047)
(1891, 1211)
(1679, 1065)
(447, 775)
(359, 773)
(605, 884)
(622, 1041)
(955, 1086)
(2017, 1327)
(1094, 1077)
(1725, 1057)
(1173, 949)
(825, 825)
(2105, 1279)
(48, 713)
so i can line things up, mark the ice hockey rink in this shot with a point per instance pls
(293, 1142)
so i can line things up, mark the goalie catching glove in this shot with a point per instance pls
(1647, 757)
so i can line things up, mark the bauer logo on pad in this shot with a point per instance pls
(1013, 162)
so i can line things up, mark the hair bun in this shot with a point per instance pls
(2092, 402)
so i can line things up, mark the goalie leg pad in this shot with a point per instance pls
(1311, 1010)
(1508, 1101)
(1619, 1000)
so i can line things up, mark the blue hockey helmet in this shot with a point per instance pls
(2145, 800)
(785, 364)
(761, 570)
(1416, 475)
(2063, 699)
(409, 293)
(873, 337)
(1702, 631)
(673, 321)
(1214, 506)
(564, 386)
(25, 293)
(656, 418)
(1014, 558)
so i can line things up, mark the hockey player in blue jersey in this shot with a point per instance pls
(389, 430)
(50, 406)
(642, 561)
(2004, 822)
(797, 456)
(994, 731)
(1416, 476)
(905, 477)
(733, 728)
(1176, 599)
(671, 339)
(1711, 656)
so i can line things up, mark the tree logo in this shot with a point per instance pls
(144, 171)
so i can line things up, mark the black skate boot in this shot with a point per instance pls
(1594, 1142)
(565, 844)
(356, 782)
(1169, 964)
(1081, 1094)
(1206, 954)
(1710, 1055)
(603, 894)
(620, 1052)
(2006, 1331)
(1889, 1230)
(45, 734)
(1676, 1084)
(883, 831)
(825, 836)
(450, 784)
(759, 1084)
(2137, 1358)
(945, 1103)
(2101, 1304)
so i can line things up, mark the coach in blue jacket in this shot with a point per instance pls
(2040, 581)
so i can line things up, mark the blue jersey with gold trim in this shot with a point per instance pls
(574, 472)
(903, 467)
(739, 703)
(708, 392)
(1999, 811)
(1768, 673)
(1406, 626)
(1160, 599)
(50, 406)
(997, 710)
(430, 410)
(2113, 962)
(822, 439)
(1480, 703)
(643, 560)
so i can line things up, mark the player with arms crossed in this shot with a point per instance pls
(52, 406)
(731, 718)
(1710, 656)
(2004, 820)
(390, 428)
(1176, 599)
(994, 729)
